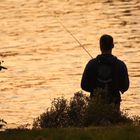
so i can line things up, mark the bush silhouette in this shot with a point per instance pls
(81, 111)
(77, 109)
(56, 116)
(100, 112)
(2, 123)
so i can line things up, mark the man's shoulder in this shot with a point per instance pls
(120, 62)
(117, 61)
(92, 61)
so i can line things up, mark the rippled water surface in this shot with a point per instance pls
(45, 62)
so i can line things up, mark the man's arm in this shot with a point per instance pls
(87, 77)
(124, 78)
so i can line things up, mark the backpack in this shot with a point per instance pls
(105, 75)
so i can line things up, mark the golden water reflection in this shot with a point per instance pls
(43, 60)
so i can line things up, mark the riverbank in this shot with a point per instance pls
(121, 132)
(78, 119)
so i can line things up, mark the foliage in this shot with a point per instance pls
(81, 111)
(2, 123)
(100, 112)
(56, 116)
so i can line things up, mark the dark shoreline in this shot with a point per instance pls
(121, 132)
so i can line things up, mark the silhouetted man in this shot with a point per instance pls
(106, 72)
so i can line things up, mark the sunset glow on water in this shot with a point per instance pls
(45, 62)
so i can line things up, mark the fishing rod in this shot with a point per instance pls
(68, 31)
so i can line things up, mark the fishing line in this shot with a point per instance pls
(68, 31)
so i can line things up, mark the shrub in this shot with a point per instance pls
(100, 112)
(2, 123)
(77, 109)
(82, 111)
(56, 116)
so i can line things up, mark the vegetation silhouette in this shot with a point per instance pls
(3, 123)
(82, 111)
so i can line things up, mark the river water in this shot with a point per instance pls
(45, 62)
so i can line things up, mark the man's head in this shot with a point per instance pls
(106, 43)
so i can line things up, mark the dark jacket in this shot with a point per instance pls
(120, 74)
